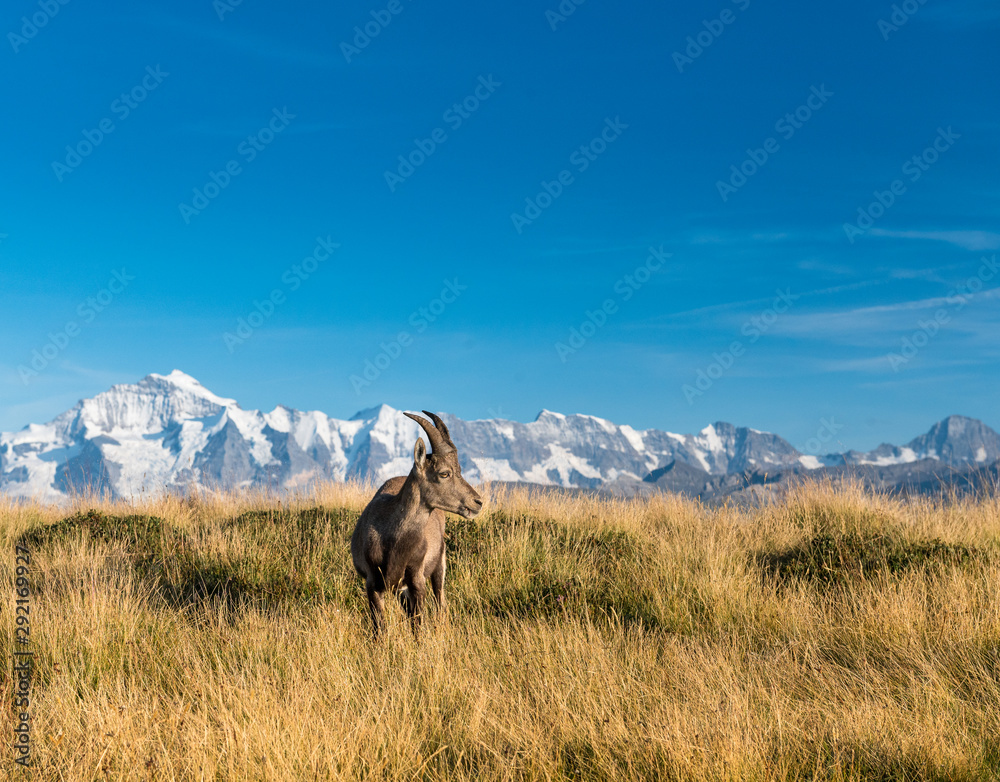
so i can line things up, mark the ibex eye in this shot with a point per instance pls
(444, 475)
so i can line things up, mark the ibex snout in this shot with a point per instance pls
(472, 505)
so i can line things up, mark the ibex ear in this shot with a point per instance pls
(419, 453)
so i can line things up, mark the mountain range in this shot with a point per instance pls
(168, 432)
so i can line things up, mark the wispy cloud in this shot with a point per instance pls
(779, 236)
(825, 267)
(739, 305)
(925, 304)
(882, 365)
(871, 364)
(967, 240)
(882, 325)
(916, 378)
(253, 44)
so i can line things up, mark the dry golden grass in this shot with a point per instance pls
(833, 635)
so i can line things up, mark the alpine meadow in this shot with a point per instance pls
(831, 634)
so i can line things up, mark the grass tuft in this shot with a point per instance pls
(140, 533)
(839, 560)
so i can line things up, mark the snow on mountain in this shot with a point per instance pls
(957, 441)
(733, 449)
(168, 432)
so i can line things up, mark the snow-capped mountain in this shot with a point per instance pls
(957, 441)
(168, 432)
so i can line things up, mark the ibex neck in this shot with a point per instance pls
(410, 500)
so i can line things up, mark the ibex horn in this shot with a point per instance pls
(441, 427)
(439, 444)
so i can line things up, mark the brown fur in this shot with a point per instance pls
(399, 538)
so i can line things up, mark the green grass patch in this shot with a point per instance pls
(141, 534)
(563, 569)
(277, 556)
(306, 526)
(836, 560)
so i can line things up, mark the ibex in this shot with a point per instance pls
(400, 535)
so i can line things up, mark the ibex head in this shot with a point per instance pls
(438, 473)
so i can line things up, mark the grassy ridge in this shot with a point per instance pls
(832, 636)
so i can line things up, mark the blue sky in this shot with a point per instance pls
(510, 179)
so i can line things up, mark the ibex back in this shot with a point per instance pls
(399, 538)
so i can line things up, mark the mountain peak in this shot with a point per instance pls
(959, 420)
(150, 405)
(177, 381)
(958, 439)
(176, 378)
(379, 411)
